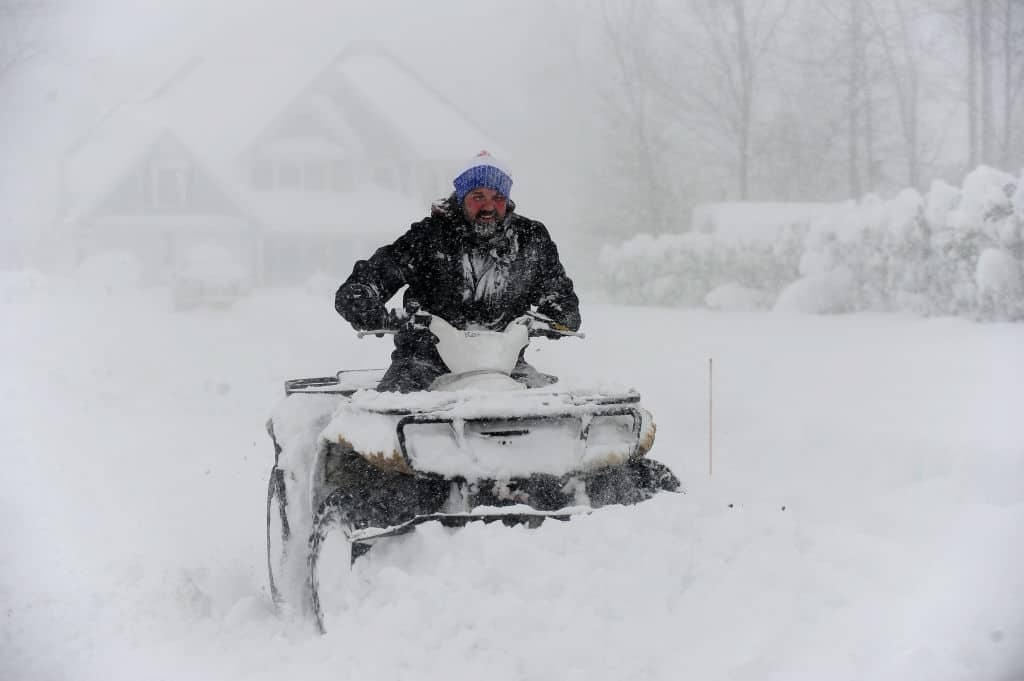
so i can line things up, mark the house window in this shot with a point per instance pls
(169, 186)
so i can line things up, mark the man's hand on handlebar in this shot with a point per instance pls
(543, 326)
(394, 321)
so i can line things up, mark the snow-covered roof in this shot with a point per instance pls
(431, 127)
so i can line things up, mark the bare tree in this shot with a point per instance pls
(901, 56)
(985, 59)
(737, 34)
(855, 95)
(971, 31)
(744, 98)
(638, 176)
(1013, 82)
(994, 30)
(626, 35)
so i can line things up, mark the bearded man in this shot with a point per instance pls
(474, 262)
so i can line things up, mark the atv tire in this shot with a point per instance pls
(631, 483)
(278, 533)
(331, 536)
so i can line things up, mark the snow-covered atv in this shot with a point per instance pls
(354, 466)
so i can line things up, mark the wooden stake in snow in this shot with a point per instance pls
(710, 423)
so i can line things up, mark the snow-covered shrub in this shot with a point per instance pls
(1000, 284)
(942, 199)
(952, 251)
(668, 270)
(904, 251)
(763, 266)
(682, 269)
(984, 219)
(824, 292)
(985, 201)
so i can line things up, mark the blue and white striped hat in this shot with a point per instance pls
(482, 171)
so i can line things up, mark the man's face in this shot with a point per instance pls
(484, 207)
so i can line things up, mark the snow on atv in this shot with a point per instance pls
(354, 466)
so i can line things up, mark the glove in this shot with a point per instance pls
(549, 328)
(415, 341)
(544, 326)
(546, 333)
(361, 306)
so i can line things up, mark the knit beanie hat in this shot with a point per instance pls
(482, 171)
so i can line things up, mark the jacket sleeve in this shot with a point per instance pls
(554, 294)
(375, 280)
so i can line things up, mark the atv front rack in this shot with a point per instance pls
(345, 382)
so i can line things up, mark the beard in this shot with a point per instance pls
(486, 228)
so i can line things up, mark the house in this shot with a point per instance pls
(295, 160)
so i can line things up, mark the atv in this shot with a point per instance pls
(354, 466)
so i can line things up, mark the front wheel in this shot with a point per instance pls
(633, 482)
(331, 555)
(279, 534)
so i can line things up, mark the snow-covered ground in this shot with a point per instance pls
(864, 520)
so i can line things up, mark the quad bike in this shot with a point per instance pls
(354, 466)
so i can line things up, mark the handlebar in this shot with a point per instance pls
(421, 320)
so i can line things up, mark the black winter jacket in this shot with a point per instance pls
(453, 273)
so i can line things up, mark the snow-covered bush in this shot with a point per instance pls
(1000, 285)
(951, 251)
(683, 269)
(824, 292)
(668, 270)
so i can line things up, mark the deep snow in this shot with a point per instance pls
(865, 518)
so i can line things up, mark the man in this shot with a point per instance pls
(474, 261)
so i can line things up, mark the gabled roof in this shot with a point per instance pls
(431, 126)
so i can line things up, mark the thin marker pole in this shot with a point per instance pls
(710, 422)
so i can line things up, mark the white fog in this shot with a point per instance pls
(796, 234)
